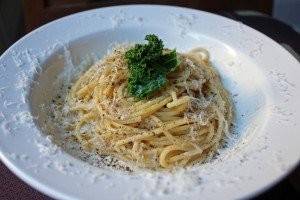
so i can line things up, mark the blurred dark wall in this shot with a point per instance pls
(288, 11)
(11, 22)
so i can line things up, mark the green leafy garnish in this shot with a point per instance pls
(148, 67)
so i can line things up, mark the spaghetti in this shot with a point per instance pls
(182, 124)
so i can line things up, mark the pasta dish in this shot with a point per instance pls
(173, 112)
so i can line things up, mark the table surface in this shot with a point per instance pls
(12, 188)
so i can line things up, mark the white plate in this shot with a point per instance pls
(261, 75)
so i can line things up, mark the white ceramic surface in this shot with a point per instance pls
(262, 77)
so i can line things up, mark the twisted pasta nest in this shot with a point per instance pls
(180, 125)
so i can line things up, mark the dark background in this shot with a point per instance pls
(279, 19)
